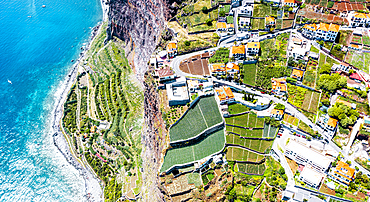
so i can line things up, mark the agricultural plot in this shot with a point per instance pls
(366, 40)
(359, 59)
(269, 131)
(257, 145)
(210, 145)
(291, 119)
(258, 24)
(237, 108)
(296, 95)
(344, 36)
(258, 169)
(194, 178)
(279, 24)
(287, 23)
(309, 78)
(261, 10)
(305, 127)
(238, 154)
(249, 120)
(311, 101)
(203, 115)
(245, 132)
(248, 74)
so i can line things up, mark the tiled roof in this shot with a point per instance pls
(334, 27)
(224, 93)
(221, 25)
(253, 45)
(332, 122)
(218, 67)
(230, 66)
(171, 46)
(270, 19)
(360, 15)
(355, 76)
(346, 169)
(289, 1)
(297, 73)
(344, 64)
(276, 83)
(323, 27)
(277, 111)
(238, 49)
(311, 27)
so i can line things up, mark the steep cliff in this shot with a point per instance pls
(139, 23)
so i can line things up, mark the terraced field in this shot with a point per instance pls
(210, 145)
(249, 120)
(238, 154)
(257, 145)
(198, 118)
(251, 168)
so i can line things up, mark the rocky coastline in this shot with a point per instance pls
(93, 186)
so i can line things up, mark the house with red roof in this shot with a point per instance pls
(290, 3)
(356, 77)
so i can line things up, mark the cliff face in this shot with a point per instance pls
(139, 23)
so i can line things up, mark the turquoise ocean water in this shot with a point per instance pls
(35, 55)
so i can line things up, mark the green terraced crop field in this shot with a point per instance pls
(204, 114)
(269, 131)
(210, 145)
(238, 154)
(251, 168)
(257, 145)
(245, 132)
(249, 120)
(237, 108)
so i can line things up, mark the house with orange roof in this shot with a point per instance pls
(290, 3)
(232, 68)
(269, 22)
(342, 173)
(277, 114)
(221, 26)
(225, 94)
(309, 30)
(171, 49)
(297, 74)
(253, 48)
(218, 69)
(332, 124)
(359, 19)
(355, 47)
(279, 86)
(238, 52)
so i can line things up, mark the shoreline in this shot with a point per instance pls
(93, 186)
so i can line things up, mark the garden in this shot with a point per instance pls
(257, 24)
(343, 37)
(262, 10)
(211, 144)
(360, 60)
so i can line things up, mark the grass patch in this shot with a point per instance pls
(238, 154)
(237, 108)
(248, 74)
(296, 95)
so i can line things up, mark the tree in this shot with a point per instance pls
(205, 9)
(348, 162)
(280, 106)
(222, 13)
(187, 43)
(338, 47)
(325, 69)
(326, 102)
(331, 83)
(209, 22)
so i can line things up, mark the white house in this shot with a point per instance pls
(253, 48)
(304, 155)
(246, 11)
(359, 19)
(322, 31)
(290, 3)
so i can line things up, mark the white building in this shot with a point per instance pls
(290, 3)
(322, 31)
(253, 48)
(311, 177)
(304, 155)
(177, 92)
(359, 19)
(246, 11)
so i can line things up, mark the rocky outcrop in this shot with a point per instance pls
(139, 23)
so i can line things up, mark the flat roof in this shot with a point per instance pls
(311, 175)
(310, 154)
